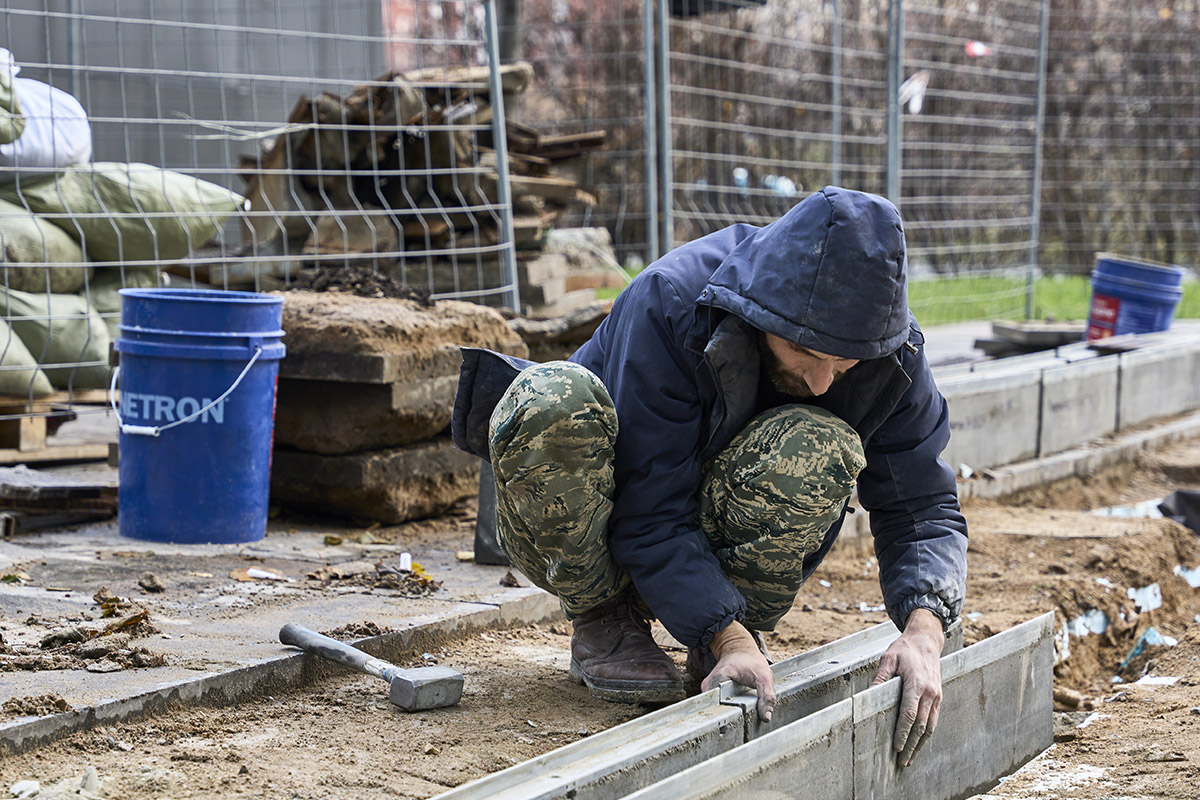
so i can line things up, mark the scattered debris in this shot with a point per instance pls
(1192, 576)
(465, 555)
(150, 582)
(361, 281)
(510, 580)
(333, 541)
(1147, 598)
(40, 706)
(1091, 621)
(1156, 680)
(412, 582)
(356, 630)
(256, 574)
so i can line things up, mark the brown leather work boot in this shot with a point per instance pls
(613, 652)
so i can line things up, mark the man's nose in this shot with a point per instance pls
(819, 378)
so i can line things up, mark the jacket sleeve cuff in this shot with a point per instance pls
(933, 602)
(720, 625)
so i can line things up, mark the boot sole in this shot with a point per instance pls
(628, 691)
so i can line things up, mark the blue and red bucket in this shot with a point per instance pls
(1130, 295)
(197, 413)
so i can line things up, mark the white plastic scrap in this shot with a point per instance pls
(1153, 637)
(1092, 717)
(1092, 621)
(825, 583)
(1106, 583)
(24, 789)
(1157, 680)
(974, 616)
(1147, 509)
(866, 609)
(406, 562)
(1146, 598)
(1062, 645)
(1192, 576)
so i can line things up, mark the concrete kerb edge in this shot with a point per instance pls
(1024, 475)
(278, 674)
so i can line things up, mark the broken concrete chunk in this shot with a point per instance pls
(415, 336)
(150, 582)
(103, 645)
(393, 485)
(334, 417)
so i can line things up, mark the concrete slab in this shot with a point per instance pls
(1001, 481)
(393, 485)
(335, 417)
(220, 635)
(811, 758)
(998, 713)
(993, 418)
(616, 762)
(1079, 403)
(811, 681)
(1158, 382)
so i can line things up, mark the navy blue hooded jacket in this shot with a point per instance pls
(680, 356)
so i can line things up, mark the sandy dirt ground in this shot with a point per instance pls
(1029, 554)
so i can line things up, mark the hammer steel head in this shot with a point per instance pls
(424, 688)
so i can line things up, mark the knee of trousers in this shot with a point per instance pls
(790, 466)
(553, 406)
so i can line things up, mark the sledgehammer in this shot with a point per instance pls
(417, 689)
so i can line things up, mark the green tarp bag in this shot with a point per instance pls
(128, 212)
(28, 245)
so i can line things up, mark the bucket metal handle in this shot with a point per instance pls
(155, 430)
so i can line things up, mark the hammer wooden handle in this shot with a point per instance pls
(332, 649)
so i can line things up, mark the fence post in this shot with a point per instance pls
(836, 100)
(508, 255)
(665, 151)
(895, 76)
(1035, 205)
(650, 130)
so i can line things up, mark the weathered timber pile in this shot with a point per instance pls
(400, 176)
(364, 403)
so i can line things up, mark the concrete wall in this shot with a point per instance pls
(1014, 409)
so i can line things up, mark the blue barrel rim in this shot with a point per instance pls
(203, 295)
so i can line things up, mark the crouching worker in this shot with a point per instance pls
(692, 461)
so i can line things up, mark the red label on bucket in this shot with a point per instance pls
(1102, 318)
(1105, 309)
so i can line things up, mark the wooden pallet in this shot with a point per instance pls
(27, 428)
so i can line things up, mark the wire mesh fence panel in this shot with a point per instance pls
(588, 98)
(969, 100)
(236, 144)
(768, 103)
(1122, 127)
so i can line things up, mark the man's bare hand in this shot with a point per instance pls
(739, 659)
(915, 657)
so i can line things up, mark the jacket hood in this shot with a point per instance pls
(829, 275)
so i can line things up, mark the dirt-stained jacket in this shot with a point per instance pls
(680, 356)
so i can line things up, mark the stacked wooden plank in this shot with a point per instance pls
(400, 176)
(364, 402)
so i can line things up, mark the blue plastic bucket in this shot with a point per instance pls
(1132, 296)
(197, 413)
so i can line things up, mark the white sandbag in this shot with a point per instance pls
(12, 122)
(129, 212)
(61, 329)
(30, 246)
(56, 132)
(19, 373)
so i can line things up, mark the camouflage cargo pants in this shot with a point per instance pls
(765, 501)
